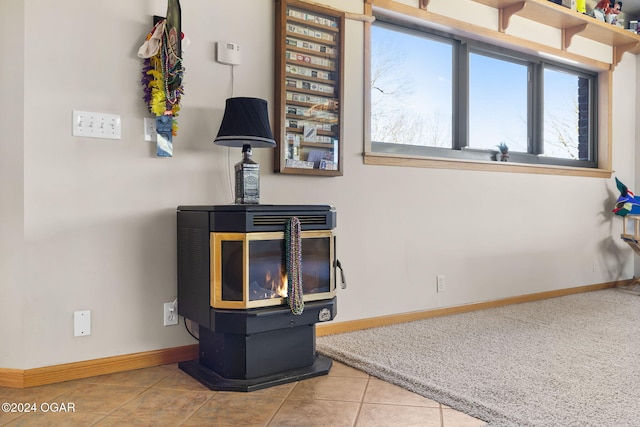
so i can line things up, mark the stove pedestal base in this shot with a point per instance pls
(213, 381)
(247, 350)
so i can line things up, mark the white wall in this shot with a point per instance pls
(11, 183)
(99, 215)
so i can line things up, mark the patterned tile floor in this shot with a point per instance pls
(166, 396)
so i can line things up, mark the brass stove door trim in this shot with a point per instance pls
(215, 242)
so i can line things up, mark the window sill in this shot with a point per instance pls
(476, 165)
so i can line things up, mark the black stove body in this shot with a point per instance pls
(230, 279)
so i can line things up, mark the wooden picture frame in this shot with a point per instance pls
(308, 109)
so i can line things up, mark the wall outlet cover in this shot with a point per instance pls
(81, 323)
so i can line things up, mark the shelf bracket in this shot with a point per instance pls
(568, 33)
(619, 50)
(505, 14)
(424, 4)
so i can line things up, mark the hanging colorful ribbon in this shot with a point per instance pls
(162, 75)
(293, 242)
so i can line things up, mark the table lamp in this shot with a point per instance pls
(246, 124)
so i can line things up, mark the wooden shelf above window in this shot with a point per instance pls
(570, 22)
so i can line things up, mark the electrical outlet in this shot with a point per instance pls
(440, 282)
(170, 314)
(150, 133)
(96, 125)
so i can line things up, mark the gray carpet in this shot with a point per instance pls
(567, 361)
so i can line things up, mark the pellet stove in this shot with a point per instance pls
(232, 282)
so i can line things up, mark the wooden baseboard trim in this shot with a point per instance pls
(373, 322)
(11, 378)
(18, 378)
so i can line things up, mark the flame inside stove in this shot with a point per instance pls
(278, 283)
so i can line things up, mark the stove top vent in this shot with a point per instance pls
(271, 220)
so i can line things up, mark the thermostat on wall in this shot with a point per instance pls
(228, 53)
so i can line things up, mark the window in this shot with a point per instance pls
(437, 95)
(411, 102)
(566, 103)
(497, 103)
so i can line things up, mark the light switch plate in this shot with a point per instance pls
(150, 133)
(96, 125)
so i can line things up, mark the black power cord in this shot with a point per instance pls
(190, 333)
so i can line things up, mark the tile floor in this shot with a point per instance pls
(166, 396)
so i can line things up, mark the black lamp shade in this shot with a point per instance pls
(245, 122)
